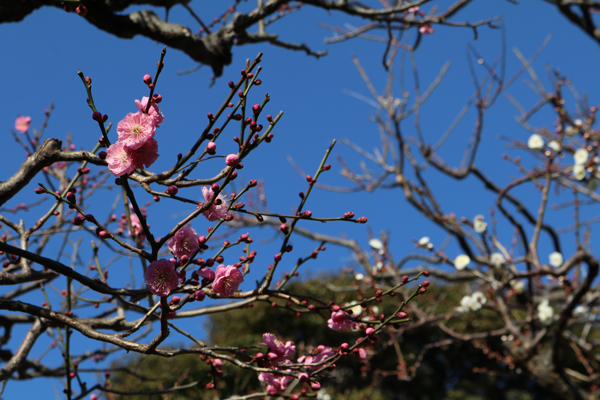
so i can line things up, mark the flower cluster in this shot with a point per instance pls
(340, 320)
(472, 302)
(278, 352)
(545, 312)
(321, 353)
(136, 147)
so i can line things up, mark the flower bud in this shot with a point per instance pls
(172, 190)
(211, 148)
(232, 160)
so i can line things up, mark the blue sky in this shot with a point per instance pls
(320, 100)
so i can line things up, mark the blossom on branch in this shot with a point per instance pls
(218, 209)
(497, 259)
(274, 383)
(136, 129)
(119, 160)
(479, 225)
(154, 111)
(321, 353)
(535, 142)
(461, 261)
(277, 350)
(581, 156)
(227, 280)
(145, 155)
(472, 302)
(184, 242)
(161, 277)
(340, 320)
(22, 124)
(556, 259)
(545, 312)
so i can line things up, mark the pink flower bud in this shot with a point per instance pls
(370, 331)
(211, 148)
(401, 315)
(96, 116)
(174, 300)
(256, 109)
(172, 190)
(147, 79)
(40, 190)
(81, 10)
(199, 295)
(315, 386)
(232, 160)
(303, 377)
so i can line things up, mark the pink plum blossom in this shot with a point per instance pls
(218, 208)
(161, 277)
(136, 129)
(135, 224)
(144, 155)
(277, 350)
(227, 280)
(206, 273)
(22, 124)
(154, 111)
(340, 320)
(426, 29)
(118, 159)
(321, 353)
(274, 383)
(184, 242)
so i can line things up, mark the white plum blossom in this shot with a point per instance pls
(471, 302)
(535, 142)
(578, 122)
(376, 244)
(359, 276)
(579, 171)
(424, 241)
(497, 259)
(545, 312)
(518, 286)
(581, 310)
(581, 156)
(461, 261)
(479, 224)
(356, 308)
(556, 259)
(554, 145)
(570, 130)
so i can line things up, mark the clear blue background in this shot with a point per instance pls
(41, 56)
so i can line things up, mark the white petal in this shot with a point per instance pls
(376, 244)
